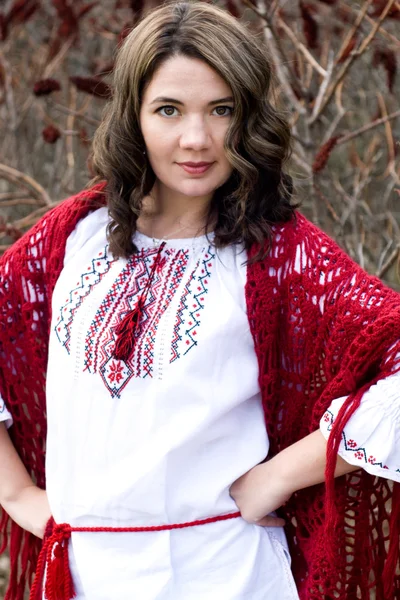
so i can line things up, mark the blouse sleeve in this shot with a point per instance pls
(371, 437)
(5, 415)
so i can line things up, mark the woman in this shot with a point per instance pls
(190, 307)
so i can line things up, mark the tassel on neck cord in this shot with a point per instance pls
(126, 332)
(130, 324)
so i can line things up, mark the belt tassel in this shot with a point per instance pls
(53, 563)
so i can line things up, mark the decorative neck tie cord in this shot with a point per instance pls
(130, 324)
(53, 562)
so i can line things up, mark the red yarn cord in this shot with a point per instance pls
(36, 588)
(331, 515)
(3, 529)
(392, 558)
(131, 322)
(159, 527)
(54, 555)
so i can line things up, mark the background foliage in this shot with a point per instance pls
(336, 67)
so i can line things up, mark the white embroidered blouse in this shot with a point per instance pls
(159, 438)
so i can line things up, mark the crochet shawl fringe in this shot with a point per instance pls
(322, 329)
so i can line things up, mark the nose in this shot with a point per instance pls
(195, 134)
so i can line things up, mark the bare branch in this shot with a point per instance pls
(351, 33)
(340, 114)
(280, 60)
(322, 89)
(390, 169)
(389, 262)
(33, 217)
(349, 8)
(5, 196)
(302, 163)
(353, 56)
(325, 200)
(301, 47)
(77, 113)
(19, 202)
(8, 93)
(350, 136)
(26, 181)
(281, 74)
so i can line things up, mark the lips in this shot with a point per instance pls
(195, 164)
(195, 168)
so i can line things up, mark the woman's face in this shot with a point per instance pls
(184, 117)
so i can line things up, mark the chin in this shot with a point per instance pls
(196, 193)
(197, 188)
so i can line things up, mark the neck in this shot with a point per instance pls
(165, 213)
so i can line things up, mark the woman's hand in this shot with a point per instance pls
(269, 485)
(259, 492)
(30, 509)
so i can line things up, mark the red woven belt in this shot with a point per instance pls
(53, 557)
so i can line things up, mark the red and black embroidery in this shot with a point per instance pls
(168, 275)
(94, 273)
(191, 304)
(172, 281)
(106, 310)
(122, 299)
(350, 445)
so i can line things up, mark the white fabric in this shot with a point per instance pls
(5, 416)
(159, 440)
(371, 438)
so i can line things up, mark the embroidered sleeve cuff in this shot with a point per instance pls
(371, 438)
(5, 415)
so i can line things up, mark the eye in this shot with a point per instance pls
(224, 111)
(168, 110)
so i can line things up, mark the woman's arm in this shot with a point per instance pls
(269, 485)
(303, 464)
(26, 504)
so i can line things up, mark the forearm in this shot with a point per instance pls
(269, 485)
(26, 504)
(14, 478)
(303, 464)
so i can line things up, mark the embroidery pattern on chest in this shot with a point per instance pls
(88, 280)
(191, 304)
(121, 299)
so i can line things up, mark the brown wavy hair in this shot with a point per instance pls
(257, 144)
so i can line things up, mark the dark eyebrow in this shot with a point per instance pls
(174, 101)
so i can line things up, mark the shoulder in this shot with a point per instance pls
(67, 214)
(304, 245)
(299, 230)
(304, 256)
(296, 239)
(49, 235)
(90, 225)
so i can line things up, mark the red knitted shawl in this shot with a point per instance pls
(322, 329)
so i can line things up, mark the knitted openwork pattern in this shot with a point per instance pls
(322, 329)
(28, 273)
